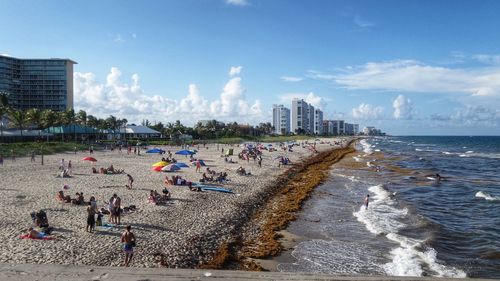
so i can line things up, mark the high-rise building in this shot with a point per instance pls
(340, 127)
(281, 119)
(356, 129)
(310, 117)
(300, 116)
(37, 83)
(318, 122)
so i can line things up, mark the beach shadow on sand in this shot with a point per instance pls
(150, 227)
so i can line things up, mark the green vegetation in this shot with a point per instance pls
(25, 148)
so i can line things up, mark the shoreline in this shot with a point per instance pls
(260, 238)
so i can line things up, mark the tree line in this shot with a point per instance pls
(47, 118)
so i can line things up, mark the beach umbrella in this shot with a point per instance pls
(170, 168)
(154, 150)
(181, 165)
(91, 159)
(160, 164)
(157, 168)
(185, 152)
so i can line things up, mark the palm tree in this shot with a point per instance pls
(81, 118)
(4, 108)
(19, 118)
(92, 122)
(113, 124)
(70, 119)
(35, 117)
(49, 119)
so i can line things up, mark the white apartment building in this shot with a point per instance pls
(281, 119)
(300, 116)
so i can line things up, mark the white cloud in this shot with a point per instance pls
(403, 108)
(360, 22)
(367, 112)
(238, 2)
(5, 55)
(235, 70)
(311, 98)
(128, 100)
(118, 38)
(487, 59)
(414, 76)
(470, 116)
(291, 78)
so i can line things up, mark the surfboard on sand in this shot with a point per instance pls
(219, 189)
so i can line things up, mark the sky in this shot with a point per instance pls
(407, 67)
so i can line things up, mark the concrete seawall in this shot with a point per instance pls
(45, 272)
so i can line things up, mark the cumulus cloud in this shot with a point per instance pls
(367, 112)
(291, 78)
(414, 76)
(235, 70)
(237, 2)
(403, 108)
(470, 116)
(311, 98)
(128, 100)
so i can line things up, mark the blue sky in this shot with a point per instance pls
(408, 67)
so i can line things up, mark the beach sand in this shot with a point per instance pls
(188, 230)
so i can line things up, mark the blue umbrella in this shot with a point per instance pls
(181, 165)
(154, 150)
(185, 152)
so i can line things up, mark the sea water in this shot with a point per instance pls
(414, 225)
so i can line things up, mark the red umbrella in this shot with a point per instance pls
(91, 159)
(157, 168)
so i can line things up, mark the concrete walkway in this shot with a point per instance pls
(29, 272)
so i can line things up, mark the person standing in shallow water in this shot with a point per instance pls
(128, 240)
(367, 201)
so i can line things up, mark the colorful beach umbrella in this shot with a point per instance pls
(170, 168)
(181, 165)
(185, 152)
(157, 169)
(91, 159)
(160, 164)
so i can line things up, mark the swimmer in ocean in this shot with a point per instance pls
(367, 201)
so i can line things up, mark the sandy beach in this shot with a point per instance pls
(188, 230)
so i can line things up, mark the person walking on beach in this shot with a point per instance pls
(13, 154)
(260, 161)
(90, 217)
(128, 240)
(70, 167)
(130, 181)
(117, 202)
(198, 166)
(1, 160)
(32, 156)
(367, 201)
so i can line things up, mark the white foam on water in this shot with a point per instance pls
(486, 196)
(418, 149)
(378, 150)
(383, 217)
(366, 147)
(470, 151)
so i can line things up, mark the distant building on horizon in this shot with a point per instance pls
(300, 116)
(318, 122)
(37, 83)
(281, 119)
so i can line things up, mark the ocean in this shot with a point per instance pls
(414, 225)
